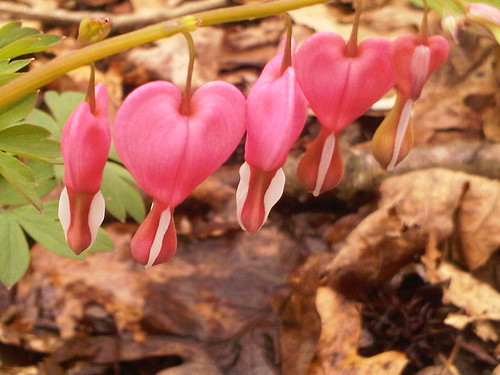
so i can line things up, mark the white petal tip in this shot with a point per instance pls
(163, 225)
(242, 192)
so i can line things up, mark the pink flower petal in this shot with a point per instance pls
(321, 167)
(85, 144)
(257, 192)
(408, 78)
(155, 241)
(276, 115)
(338, 88)
(80, 214)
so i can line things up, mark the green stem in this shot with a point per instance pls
(46, 73)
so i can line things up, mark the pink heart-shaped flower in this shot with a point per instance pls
(169, 154)
(340, 88)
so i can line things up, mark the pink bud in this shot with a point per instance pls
(414, 62)
(85, 146)
(276, 115)
(394, 137)
(169, 153)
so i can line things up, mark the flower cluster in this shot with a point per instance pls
(171, 141)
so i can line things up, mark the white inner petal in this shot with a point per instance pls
(96, 215)
(63, 211)
(404, 120)
(419, 69)
(273, 192)
(324, 163)
(163, 225)
(242, 191)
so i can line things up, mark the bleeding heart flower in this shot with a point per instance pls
(340, 86)
(276, 115)
(414, 59)
(85, 146)
(169, 152)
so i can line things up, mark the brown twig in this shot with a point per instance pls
(120, 22)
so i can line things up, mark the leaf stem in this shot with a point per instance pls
(46, 73)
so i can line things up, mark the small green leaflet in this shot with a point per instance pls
(120, 196)
(14, 31)
(61, 106)
(30, 141)
(17, 111)
(44, 176)
(14, 251)
(21, 177)
(47, 230)
(16, 40)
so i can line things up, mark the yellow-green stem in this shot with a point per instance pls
(46, 73)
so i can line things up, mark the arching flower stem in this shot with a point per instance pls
(46, 73)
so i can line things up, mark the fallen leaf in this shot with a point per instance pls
(336, 352)
(451, 205)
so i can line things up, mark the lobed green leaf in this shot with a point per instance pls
(14, 254)
(45, 182)
(121, 198)
(7, 66)
(17, 111)
(30, 141)
(47, 230)
(21, 177)
(14, 31)
(28, 44)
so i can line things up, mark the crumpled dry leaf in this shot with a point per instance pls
(451, 205)
(337, 347)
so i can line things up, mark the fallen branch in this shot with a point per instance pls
(120, 22)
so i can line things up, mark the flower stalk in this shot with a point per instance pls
(46, 73)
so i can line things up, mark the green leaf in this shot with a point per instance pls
(46, 121)
(14, 31)
(121, 198)
(28, 44)
(47, 230)
(14, 251)
(17, 111)
(13, 66)
(62, 105)
(20, 177)
(30, 141)
(5, 78)
(45, 182)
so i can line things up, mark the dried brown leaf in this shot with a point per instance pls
(449, 204)
(338, 343)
